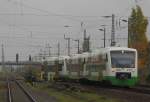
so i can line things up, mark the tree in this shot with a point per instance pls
(148, 58)
(45, 69)
(148, 63)
(32, 73)
(137, 35)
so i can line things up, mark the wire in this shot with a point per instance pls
(32, 46)
(49, 13)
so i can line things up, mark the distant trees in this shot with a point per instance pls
(148, 57)
(137, 27)
(148, 63)
(137, 35)
(32, 73)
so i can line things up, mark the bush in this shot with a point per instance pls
(32, 74)
(148, 79)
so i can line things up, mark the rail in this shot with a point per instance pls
(26, 92)
(9, 91)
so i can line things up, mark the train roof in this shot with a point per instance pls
(112, 48)
(63, 57)
(94, 52)
(57, 58)
(120, 48)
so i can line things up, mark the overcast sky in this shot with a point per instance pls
(26, 26)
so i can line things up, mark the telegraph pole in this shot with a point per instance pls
(104, 30)
(86, 42)
(78, 41)
(128, 32)
(30, 59)
(68, 39)
(104, 37)
(49, 49)
(113, 31)
(113, 42)
(58, 49)
(17, 58)
(3, 57)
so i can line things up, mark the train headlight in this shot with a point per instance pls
(113, 70)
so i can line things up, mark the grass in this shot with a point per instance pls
(61, 97)
(72, 96)
(2, 92)
(2, 87)
(2, 95)
(93, 97)
(85, 97)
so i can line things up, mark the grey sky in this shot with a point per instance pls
(26, 26)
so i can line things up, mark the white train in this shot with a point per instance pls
(116, 65)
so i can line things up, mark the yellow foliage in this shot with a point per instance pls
(142, 53)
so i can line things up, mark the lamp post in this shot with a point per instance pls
(126, 21)
(68, 39)
(78, 41)
(49, 49)
(104, 30)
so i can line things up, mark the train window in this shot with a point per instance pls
(60, 67)
(70, 60)
(106, 58)
(99, 57)
(123, 60)
(79, 60)
(89, 59)
(84, 60)
(60, 61)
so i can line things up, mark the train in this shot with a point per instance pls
(114, 65)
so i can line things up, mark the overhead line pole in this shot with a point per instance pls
(78, 41)
(104, 30)
(3, 57)
(68, 39)
(58, 49)
(49, 49)
(113, 42)
(113, 31)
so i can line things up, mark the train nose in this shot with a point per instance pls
(123, 76)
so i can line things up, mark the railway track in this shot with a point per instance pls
(9, 94)
(17, 93)
(141, 89)
(137, 89)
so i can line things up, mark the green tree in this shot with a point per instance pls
(148, 63)
(137, 34)
(148, 58)
(45, 69)
(32, 73)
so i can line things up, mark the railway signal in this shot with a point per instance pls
(17, 57)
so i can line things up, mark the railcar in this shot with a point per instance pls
(115, 65)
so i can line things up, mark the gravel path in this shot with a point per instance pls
(17, 94)
(3, 91)
(124, 96)
(40, 95)
(121, 95)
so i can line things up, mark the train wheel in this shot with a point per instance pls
(106, 83)
(83, 81)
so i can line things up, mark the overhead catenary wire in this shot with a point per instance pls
(62, 16)
(45, 13)
(49, 13)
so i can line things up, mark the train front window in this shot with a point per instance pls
(122, 59)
